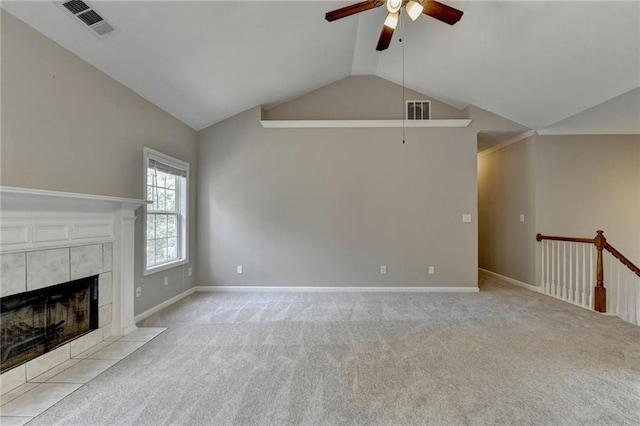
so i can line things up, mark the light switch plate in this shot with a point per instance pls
(239, 269)
(521, 218)
(466, 218)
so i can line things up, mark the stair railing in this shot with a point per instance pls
(567, 254)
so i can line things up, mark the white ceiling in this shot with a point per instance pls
(536, 63)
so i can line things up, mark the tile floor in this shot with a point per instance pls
(25, 402)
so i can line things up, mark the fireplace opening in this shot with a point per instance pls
(39, 321)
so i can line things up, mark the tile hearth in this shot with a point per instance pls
(31, 399)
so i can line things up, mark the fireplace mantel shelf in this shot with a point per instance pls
(20, 199)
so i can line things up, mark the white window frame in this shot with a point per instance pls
(183, 211)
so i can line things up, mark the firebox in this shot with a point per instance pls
(39, 321)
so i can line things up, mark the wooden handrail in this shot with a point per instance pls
(615, 253)
(540, 237)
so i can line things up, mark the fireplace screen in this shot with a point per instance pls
(38, 321)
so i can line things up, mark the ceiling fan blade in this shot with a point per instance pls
(442, 12)
(385, 38)
(352, 9)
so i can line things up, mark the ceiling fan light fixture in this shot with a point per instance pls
(393, 6)
(392, 20)
(414, 9)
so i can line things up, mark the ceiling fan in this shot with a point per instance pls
(414, 9)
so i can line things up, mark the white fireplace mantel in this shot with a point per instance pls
(33, 219)
(26, 199)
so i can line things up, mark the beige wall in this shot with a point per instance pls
(67, 126)
(327, 207)
(357, 98)
(585, 183)
(506, 189)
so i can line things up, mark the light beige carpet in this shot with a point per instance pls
(503, 356)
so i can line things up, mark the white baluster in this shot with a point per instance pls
(570, 290)
(552, 290)
(636, 299)
(591, 281)
(607, 277)
(625, 304)
(584, 275)
(576, 295)
(564, 269)
(611, 301)
(618, 291)
(559, 272)
(542, 263)
(548, 284)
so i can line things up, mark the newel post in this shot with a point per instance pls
(600, 293)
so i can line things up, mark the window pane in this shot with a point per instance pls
(151, 226)
(172, 226)
(154, 197)
(171, 182)
(161, 199)
(161, 250)
(170, 200)
(151, 175)
(172, 249)
(150, 194)
(151, 252)
(412, 111)
(161, 226)
(164, 179)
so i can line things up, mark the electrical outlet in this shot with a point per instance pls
(432, 270)
(383, 269)
(239, 269)
(138, 291)
(166, 280)
(189, 272)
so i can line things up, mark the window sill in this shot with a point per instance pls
(164, 267)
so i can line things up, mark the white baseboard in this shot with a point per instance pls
(164, 304)
(512, 281)
(194, 289)
(341, 289)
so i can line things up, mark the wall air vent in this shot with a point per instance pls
(418, 110)
(88, 17)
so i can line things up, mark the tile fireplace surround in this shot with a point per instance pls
(48, 238)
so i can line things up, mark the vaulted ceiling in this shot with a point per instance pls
(536, 63)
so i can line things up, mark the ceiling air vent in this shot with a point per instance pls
(418, 110)
(87, 16)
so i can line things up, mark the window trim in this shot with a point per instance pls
(183, 231)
